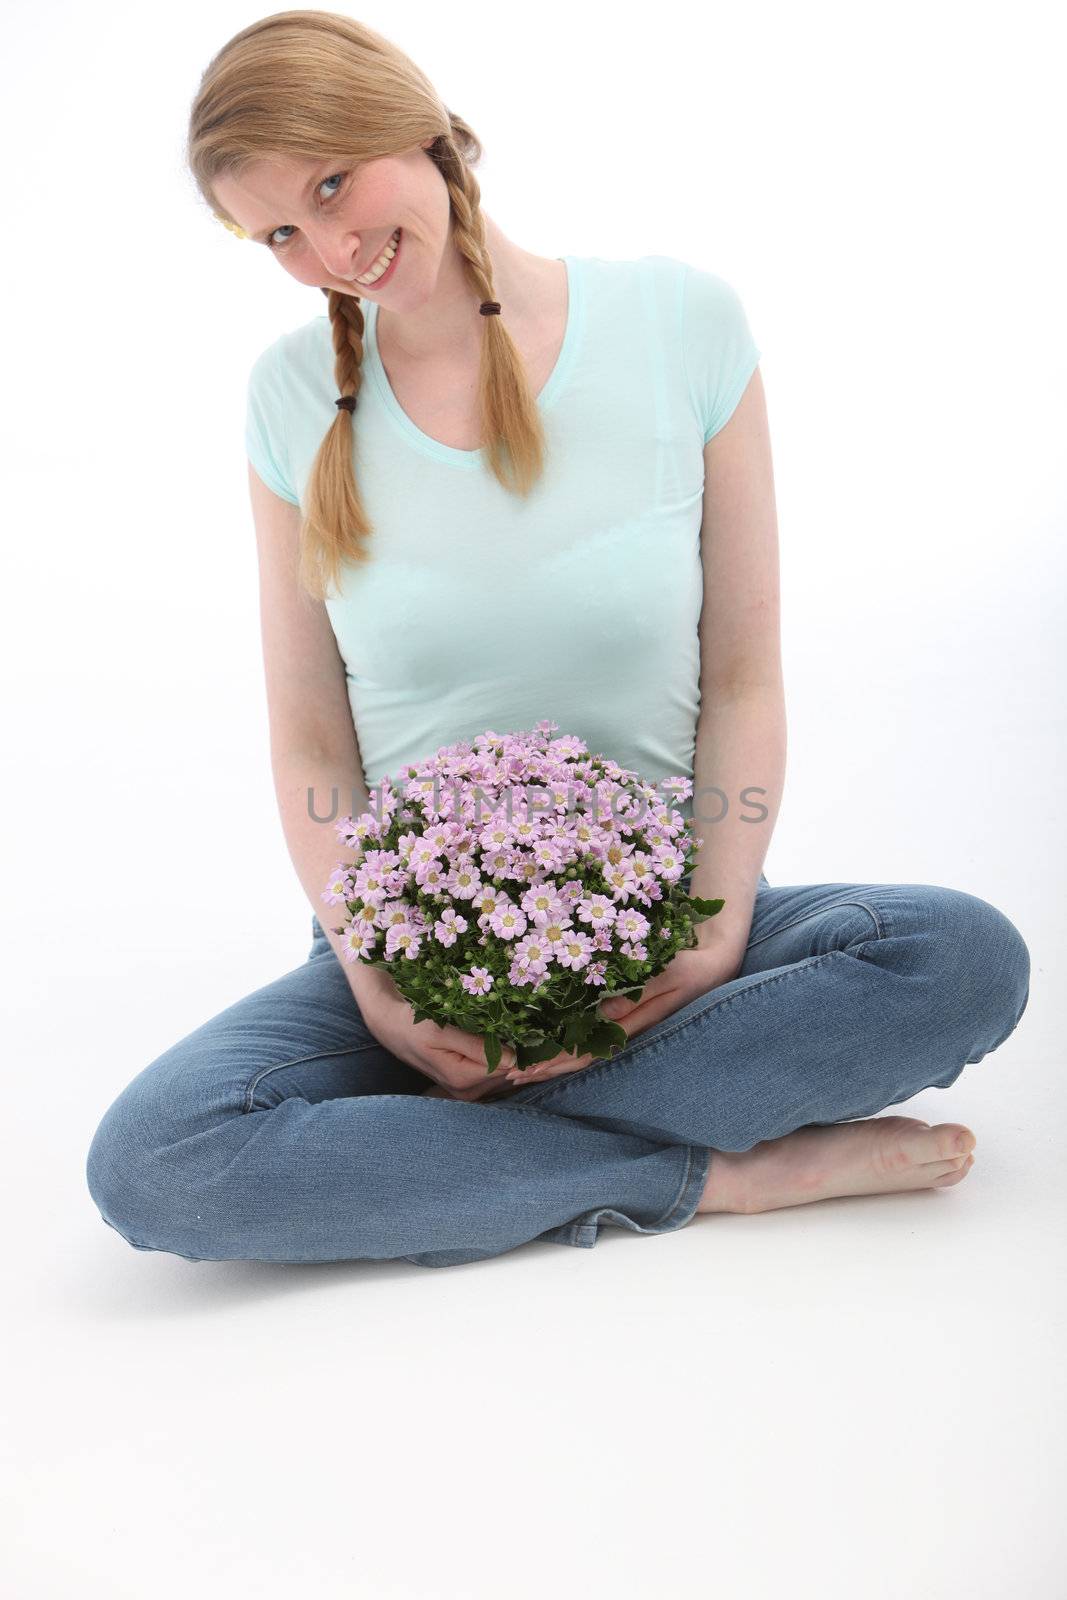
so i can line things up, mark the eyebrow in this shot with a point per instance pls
(265, 233)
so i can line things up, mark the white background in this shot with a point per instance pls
(860, 1396)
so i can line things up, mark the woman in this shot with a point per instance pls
(488, 488)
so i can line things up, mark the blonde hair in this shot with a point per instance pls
(304, 84)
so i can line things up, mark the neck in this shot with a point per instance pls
(448, 326)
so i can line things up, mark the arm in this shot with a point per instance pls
(741, 730)
(313, 741)
(314, 847)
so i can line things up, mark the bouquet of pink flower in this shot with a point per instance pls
(513, 924)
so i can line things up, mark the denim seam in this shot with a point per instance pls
(278, 1066)
(586, 1232)
(783, 927)
(676, 1202)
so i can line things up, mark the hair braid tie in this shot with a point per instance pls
(347, 403)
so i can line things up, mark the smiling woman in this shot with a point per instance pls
(269, 104)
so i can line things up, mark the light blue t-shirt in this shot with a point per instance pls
(481, 610)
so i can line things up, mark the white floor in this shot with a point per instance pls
(859, 1397)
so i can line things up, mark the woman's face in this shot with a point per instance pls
(327, 225)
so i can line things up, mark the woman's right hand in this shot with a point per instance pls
(453, 1058)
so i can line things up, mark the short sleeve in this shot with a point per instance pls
(265, 434)
(718, 349)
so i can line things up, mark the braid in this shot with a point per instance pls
(508, 407)
(346, 326)
(336, 528)
(469, 231)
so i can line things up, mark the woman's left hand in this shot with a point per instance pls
(690, 974)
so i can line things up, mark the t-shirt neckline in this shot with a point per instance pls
(557, 379)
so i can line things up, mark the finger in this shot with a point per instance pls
(645, 1015)
(549, 1069)
(469, 1047)
(465, 1071)
(614, 1006)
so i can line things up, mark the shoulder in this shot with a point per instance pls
(627, 273)
(691, 294)
(301, 347)
(698, 291)
(277, 389)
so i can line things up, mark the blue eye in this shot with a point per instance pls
(272, 244)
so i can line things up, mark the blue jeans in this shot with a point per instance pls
(281, 1130)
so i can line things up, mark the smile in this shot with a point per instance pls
(383, 266)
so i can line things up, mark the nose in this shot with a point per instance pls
(339, 253)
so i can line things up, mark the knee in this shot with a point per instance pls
(118, 1169)
(987, 958)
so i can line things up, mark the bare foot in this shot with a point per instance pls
(880, 1155)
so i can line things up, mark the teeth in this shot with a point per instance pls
(382, 262)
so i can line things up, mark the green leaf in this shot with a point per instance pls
(574, 1031)
(706, 908)
(528, 1055)
(493, 1051)
(605, 1037)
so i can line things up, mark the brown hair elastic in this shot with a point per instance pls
(490, 308)
(347, 402)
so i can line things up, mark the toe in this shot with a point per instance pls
(905, 1142)
(956, 1176)
(943, 1142)
(958, 1139)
